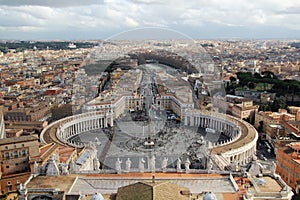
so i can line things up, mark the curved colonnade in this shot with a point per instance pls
(240, 148)
(66, 128)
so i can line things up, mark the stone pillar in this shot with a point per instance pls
(69, 132)
(97, 123)
(192, 121)
(110, 120)
(105, 121)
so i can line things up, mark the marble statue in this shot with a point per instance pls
(273, 167)
(128, 164)
(64, 169)
(142, 165)
(96, 164)
(21, 186)
(235, 165)
(97, 141)
(256, 168)
(179, 165)
(164, 164)
(187, 165)
(209, 164)
(118, 165)
(72, 166)
(36, 168)
(152, 164)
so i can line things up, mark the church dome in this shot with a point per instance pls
(209, 196)
(97, 196)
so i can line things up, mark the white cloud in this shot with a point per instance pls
(118, 15)
(50, 3)
(131, 22)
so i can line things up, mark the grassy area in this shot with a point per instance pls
(239, 89)
(260, 86)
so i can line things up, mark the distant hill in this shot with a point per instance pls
(53, 45)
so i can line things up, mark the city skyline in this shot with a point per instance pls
(93, 19)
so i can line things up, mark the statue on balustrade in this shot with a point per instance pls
(142, 165)
(178, 165)
(96, 164)
(118, 165)
(152, 164)
(187, 165)
(64, 169)
(164, 164)
(273, 167)
(36, 170)
(72, 166)
(128, 165)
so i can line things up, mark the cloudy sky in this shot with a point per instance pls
(100, 19)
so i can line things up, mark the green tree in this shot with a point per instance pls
(269, 74)
(257, 75)
(277, 104)
(232, 79)
(251, 85)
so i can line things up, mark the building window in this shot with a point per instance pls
(23, 152)
(7, 166)
(6, 147)
(15, 154)
(7, 155)
(9, 188)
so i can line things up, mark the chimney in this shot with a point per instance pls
(153, 178)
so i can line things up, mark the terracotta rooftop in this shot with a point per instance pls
(45, 148)
(160, 190)
(13, 140)
(63, 183)
(65, 152)
(271, 185)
